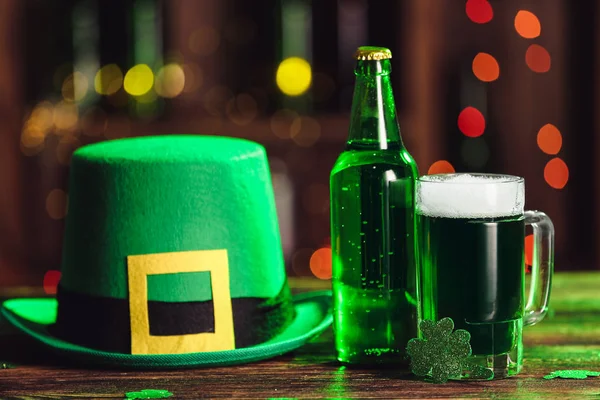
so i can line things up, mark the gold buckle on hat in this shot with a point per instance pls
(213, 261)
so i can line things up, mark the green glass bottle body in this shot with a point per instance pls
(373, 228)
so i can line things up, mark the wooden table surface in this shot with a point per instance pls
(569, 338)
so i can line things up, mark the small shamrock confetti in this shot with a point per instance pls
(443, 354)
(571, 374)
(148, 394)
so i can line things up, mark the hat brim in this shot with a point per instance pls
(34, 316)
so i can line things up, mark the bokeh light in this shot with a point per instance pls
(65, 116)
(527, 24)
(549, 139)
(556, 173)
(479, 11)
(170, 81)
(320, 263)
(138, 80)
(441, 167)
(32, 139)
(485, 67)
(108, 79)
(529, 250)
(242, 109)
(537, 58)
(294, 76)
(51, 280)
(42, 116)
(36, 127)
(305, 131)
(56, 204)
(75, 87)
(471, 122)
(204, 41)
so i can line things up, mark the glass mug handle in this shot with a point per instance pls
(542, 266)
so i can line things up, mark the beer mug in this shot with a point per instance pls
(471, 263)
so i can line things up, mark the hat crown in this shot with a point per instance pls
(170, 194)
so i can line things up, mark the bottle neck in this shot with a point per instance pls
(373, 123)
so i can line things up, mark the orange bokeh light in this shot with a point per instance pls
(485, 67)
(320, 263)
(556, 173)
(538, 58)
(441, 167)
(527, 24)
(549, 139)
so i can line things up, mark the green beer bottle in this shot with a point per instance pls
(373, 225)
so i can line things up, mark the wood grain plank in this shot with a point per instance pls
(568, 339)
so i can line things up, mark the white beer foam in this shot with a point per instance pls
(470, 196)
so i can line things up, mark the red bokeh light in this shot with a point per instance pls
(471, 122)
(51, 279)
(538, 59)
(479, 11)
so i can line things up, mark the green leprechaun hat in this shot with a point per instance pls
(172, 258)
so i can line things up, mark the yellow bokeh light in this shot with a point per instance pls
(75, 87)
(294, 76)
(138, 80)
(170, 81)
(108, 79)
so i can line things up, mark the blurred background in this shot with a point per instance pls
(505, 86)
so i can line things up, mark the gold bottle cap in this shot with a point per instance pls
(373, 53)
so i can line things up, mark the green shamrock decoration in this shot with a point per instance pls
(148, 394)
(443, 354)
(571, 374)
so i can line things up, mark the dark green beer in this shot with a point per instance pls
(471, 240)
(373, 226)
(472, 270)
